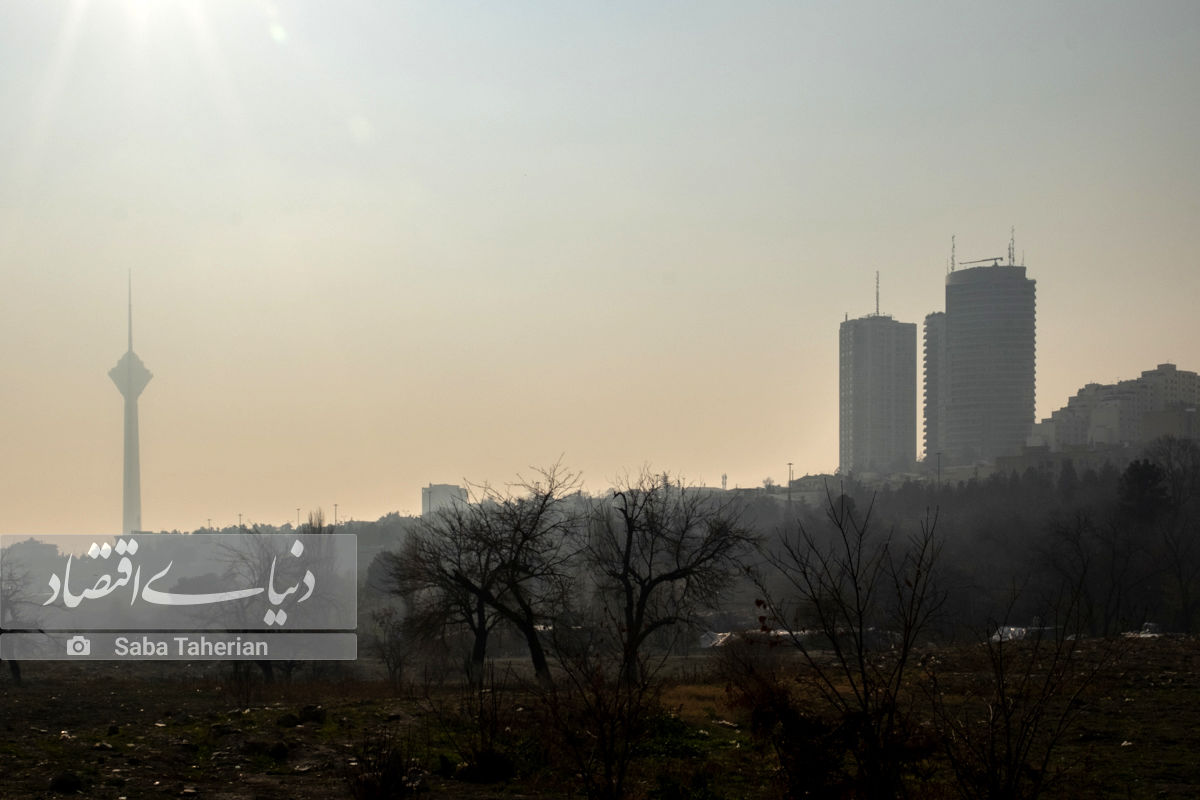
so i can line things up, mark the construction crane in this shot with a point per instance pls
(995, 261)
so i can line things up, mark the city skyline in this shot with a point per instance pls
(380, 248)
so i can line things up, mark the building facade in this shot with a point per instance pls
(979, 394)
(934, 407)
(437, 496)
(1162, 402)
(877, 395)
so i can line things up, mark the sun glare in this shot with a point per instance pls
(137, 13)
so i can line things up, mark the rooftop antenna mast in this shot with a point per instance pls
(952, 252)
(877, 293)
(1012, 245)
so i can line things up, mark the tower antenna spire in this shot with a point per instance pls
(877, 293)
(952, 252)
(131, 310)
(1012, 245)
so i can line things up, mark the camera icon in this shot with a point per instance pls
(79, 646)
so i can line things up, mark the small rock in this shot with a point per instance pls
(288, 720)
(254, 747)
(313, 714)
(276, 750)
(66, 783)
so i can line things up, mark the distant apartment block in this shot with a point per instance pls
(979, 366)
(1163, 401)
(437, 496)
(877, 395)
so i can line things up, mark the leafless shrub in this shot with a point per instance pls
(1001, 730)
(384, 766)
(385, 640)
(598, 711)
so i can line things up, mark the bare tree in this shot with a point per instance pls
(854, 607)
(385, 638)
(16, 597)
(659, 552)
(507, 554)
(250, 560)
(1178, 525)
(316, 523)
(443, 574)
(1110, 566)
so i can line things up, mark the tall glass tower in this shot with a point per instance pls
(131, 376)
(987, 383)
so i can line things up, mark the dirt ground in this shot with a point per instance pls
(105, 730)
(108, 731)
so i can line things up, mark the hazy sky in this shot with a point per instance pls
(376, 245)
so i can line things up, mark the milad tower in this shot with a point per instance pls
(131, 376)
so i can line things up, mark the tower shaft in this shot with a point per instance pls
(131, 503)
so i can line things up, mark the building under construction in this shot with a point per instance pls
(980, 356)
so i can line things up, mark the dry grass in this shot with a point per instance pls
(1136, 736)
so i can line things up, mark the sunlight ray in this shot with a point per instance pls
(46, 101)
(221, 84)
(28, 155)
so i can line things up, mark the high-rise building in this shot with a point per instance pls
(935, 385)
(878, 394)
(131, 376)
(981, 392)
